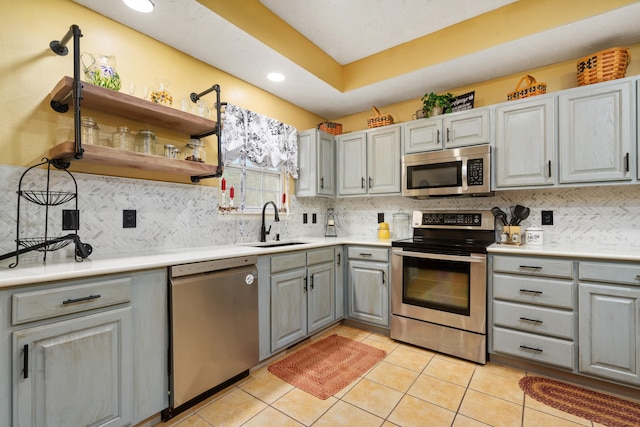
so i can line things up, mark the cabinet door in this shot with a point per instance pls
(369, 292)
(320, 296)
(307, 177)
(422, 135)
(288, 307)
(595, 134)
(352, 164)
(609, 331)
(383, 160)
(75, 372)
(525, 153)
(466, 128)
(326, 164)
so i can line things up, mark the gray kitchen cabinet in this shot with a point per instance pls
(533, 309)
(596, 133)
(302, 295)
(609, 321)
(451, 130)
(91, 351)
(368, 285)
(525, 143)
(316, 164)
(369, 162)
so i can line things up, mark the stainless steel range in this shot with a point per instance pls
(439, 283)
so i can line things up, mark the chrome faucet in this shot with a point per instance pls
(263, 230)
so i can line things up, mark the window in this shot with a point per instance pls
(262, 184)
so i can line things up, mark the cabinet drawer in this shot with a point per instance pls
(539, 320)
(534, 266)
(533, 290)
(628, 274)
(368, 253)
(288, 261)
(320, 256)
(534, 347)
(37, 305)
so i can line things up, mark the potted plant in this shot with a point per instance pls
(434, 105)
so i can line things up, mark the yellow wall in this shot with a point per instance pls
(30, 70)
(557, 77)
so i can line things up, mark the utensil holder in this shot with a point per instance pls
(511, 235)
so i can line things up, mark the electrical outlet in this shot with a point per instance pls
(129, 218)
(314, 218)
(305, 219)
(380, 217)
(70, 219)
(547, 217)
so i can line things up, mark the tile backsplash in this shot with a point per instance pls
(174, 216)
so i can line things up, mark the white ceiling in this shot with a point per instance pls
(359, 29)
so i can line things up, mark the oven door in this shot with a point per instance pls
(449, 290)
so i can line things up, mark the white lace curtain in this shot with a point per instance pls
(262, 140)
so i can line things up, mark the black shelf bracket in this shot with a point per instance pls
(195, 97)
(59, 47)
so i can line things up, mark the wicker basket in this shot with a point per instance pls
(330, 127)
(608, 64)
(531, 88)
(379, 119)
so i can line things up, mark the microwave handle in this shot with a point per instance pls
(443, 257)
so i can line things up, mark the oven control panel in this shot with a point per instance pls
(466, 219)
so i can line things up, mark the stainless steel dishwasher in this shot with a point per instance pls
(213, 318)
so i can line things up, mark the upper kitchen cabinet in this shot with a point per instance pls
(369, 162)
(316, 163)
(447, 131)
(596, 131)
(525, 142)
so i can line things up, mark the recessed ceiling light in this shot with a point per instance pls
(144, 6)
(275, 77)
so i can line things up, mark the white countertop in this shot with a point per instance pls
(35, 272)
(568, 250)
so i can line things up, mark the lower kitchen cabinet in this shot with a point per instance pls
(609, 295)
(91, 351)
(303, 295)
(368, 285)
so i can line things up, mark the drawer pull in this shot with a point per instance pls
(531, 267)
(365, 254)
(638, 277)
(74, 300)
(531, 320)
(25, 361)
(530, 291)
(537, 350)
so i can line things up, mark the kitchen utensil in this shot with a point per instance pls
(524, 214)
(518, 214)
(499, 214)
(512, 210)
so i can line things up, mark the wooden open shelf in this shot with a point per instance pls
(130, 159)
(130, 107)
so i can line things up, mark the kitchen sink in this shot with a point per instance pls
(273, 244)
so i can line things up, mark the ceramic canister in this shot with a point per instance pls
(533, 235)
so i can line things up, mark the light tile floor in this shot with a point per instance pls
(410, 387)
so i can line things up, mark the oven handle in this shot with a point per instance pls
(443, 257)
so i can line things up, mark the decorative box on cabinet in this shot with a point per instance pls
(609, 320)
(368, 285)
(316, 164)
(369, 162)
(450, 130)
(534, 309)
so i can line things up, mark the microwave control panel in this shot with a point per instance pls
(475, 172)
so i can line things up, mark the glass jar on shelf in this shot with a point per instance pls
(89, 131)
(123, 139)
(195, 151)
(146, 141)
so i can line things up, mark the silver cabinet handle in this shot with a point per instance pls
(74, 300)
(531, 292)
(531, 267)
(469, 259)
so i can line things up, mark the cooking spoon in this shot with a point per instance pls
(500, 214)
(523, 215)
(517, 212)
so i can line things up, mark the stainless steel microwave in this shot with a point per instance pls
(462, 171)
